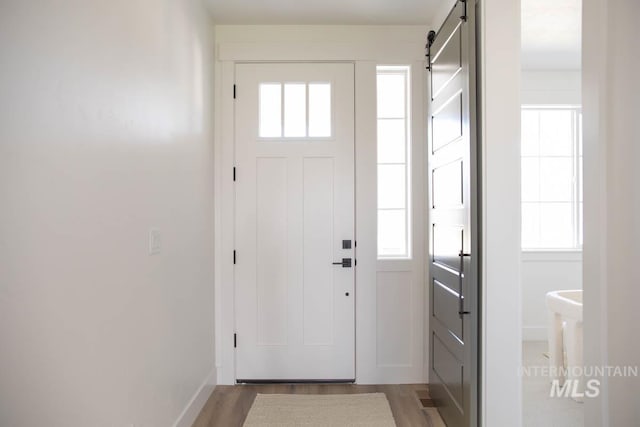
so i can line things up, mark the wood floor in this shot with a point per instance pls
(228, 406)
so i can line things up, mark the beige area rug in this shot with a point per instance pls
(272, 410)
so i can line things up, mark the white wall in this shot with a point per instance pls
(612, 205)
(390, 297)
(321, 34)
(105, 132)
(547, 271)
(549, 87)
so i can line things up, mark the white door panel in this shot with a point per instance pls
(294, 207)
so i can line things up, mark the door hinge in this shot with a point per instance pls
(234, 91)
(234, 174)
(235, 340)
(234, 257)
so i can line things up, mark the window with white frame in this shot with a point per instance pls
(551, 178)
(295, 110)
(393, 162)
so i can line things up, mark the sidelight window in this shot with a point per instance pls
(393, 162)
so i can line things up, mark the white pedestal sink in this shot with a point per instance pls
(565, 334)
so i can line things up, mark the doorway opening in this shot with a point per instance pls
(552, 204)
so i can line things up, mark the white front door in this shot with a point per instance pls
(294, 307)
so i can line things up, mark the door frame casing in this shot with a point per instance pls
(499, 72)
(365, 56)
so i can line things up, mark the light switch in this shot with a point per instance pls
(155, 241)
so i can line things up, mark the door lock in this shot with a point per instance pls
(345, 263)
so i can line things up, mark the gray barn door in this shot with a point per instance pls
(454, 239)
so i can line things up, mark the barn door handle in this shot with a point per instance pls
(345, 263)
(461, 311)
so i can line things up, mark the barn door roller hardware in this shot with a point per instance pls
(430, 38)
(464, 15)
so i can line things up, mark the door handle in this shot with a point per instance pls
(461, 311)
(345, 263)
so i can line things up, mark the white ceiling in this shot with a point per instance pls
(551, 34)
(327, 12)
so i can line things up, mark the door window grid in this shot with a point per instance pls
(295, 110)
(393, 162)
(551, 178)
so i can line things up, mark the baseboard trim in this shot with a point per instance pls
(534, 333)
(220, 376)
(197, 402)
